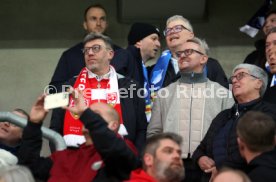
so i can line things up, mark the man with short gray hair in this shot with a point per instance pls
(178, 30)
(191, 103)
(219, 147)
(255, 72)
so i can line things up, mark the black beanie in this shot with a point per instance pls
(138, 31)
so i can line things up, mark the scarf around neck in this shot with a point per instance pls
(72, 129)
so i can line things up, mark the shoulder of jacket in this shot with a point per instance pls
(120, 76)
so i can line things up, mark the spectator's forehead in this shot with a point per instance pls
(176, 22)
(168, 143)
(19, 114)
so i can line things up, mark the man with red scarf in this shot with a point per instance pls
(100, 83)
(105, 155)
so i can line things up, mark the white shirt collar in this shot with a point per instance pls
(99, 78)
(175, 65)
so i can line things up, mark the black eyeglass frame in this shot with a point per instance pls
(186, 54)
(180, 28)
(240, 76)
(95, 49)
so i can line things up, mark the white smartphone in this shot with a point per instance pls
(56, 100)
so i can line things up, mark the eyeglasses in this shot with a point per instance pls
(175, 29)
(95, 49)
(240, 76)
(186, 53)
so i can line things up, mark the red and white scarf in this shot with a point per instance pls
(72, 129)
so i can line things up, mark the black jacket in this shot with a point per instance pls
(269, 95)
(128, 62)
(263, 167)
(257, 57)
(118, 158)
(133, 111)
(69, 65)
(234, 159)
(216, 73)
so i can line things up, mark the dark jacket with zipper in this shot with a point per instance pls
(257, 57)
(128, 62)
(233, 157)
(269, 95)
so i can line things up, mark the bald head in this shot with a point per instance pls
(229, 175)
(109, 114)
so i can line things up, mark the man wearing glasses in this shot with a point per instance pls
(219, 147)
(100, 83)
(178, 30)
(191, 103)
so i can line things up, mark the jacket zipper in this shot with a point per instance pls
(190, 124)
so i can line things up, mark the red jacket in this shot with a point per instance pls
(74, 165)
(82, 164)
(139, 175)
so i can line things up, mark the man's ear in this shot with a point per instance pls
(191, 35)
(239, 140)
(110, 54)
(203, 59)
(138, 44)
(148, 160)
(259, 84)
(84, 25)
(241, 145)
(113, 125)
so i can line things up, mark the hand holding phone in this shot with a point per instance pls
(56, 100)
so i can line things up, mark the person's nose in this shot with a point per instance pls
(176, 155)
(7, 124)
(158, 44)
(271, 56)
(182, 56)
(98, 22)
(234, 80)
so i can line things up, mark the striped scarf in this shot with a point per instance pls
(94, 92)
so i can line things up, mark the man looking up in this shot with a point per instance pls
(178, 30)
